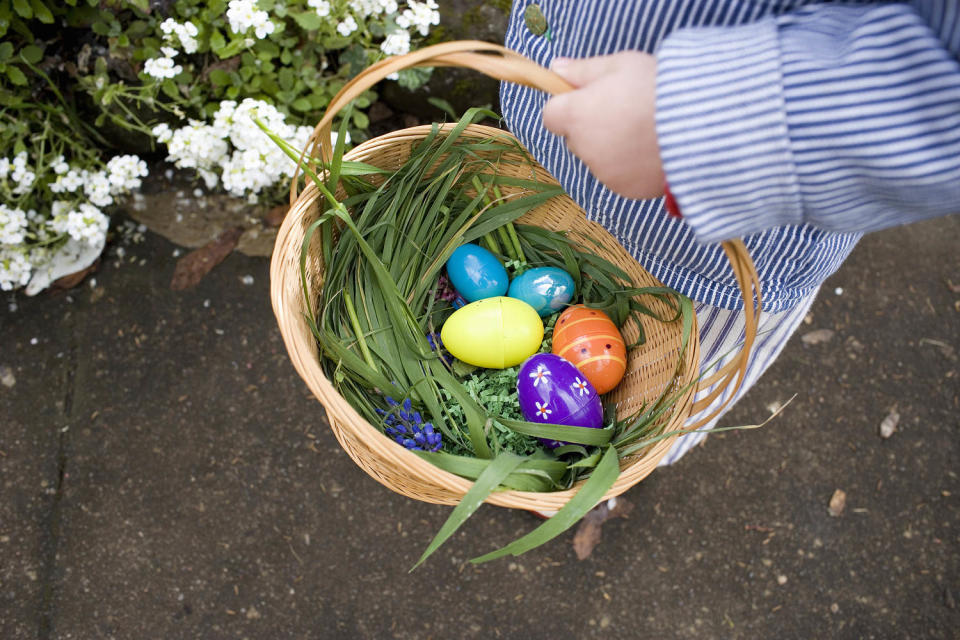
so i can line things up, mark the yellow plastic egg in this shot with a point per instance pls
(494, 333)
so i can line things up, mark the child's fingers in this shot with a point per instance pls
(582, 71)
(560, 112)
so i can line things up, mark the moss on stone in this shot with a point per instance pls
(439, 34)
(463, 88)
(469, 20)
(472, 17)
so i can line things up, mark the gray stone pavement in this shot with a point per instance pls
(166, 474)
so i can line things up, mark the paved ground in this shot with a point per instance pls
(165, 474)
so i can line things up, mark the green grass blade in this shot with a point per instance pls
(535, 474)
(487, 483)
(361, 339)
(561, 432)
(295, 155)
(333, 176)
(603, 477)
(476, 416)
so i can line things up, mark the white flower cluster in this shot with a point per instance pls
(396, 43)
(31, 249)
(85, 223)
(163, 67)
(244, 14)
(15, 269)
(367, 8)
(68, 180)
(21, 175)
(322, 7)
(122, 175)
(416, 16)
(420, 16)
(195, 146)
(186, 33)
(125, 172)
(13, 225)
(347, 26)
(234, 147)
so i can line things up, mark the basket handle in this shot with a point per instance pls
(501, 63)
(494, 60)
(735, 370)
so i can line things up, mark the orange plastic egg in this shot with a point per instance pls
(590, 340)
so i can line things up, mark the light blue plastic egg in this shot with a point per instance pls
(476, 273)
(546, 289)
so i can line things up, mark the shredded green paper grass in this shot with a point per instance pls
(384, 246)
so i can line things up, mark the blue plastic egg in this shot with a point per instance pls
(476, 273)
(546, 289)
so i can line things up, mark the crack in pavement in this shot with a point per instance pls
(53, 526)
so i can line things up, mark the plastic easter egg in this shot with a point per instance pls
(494, 333)
(551, 389)
(546, 289)
(476, 273)
(589, 339)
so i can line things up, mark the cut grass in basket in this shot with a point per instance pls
(384, 243)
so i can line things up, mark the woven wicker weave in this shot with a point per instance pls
(650, 368)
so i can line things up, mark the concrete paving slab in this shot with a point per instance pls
(36, 405)
(203, 495)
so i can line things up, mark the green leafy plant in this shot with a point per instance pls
(53, 197)
(83, 82)
(134, 58)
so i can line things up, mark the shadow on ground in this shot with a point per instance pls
(166, 474)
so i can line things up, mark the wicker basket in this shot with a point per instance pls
(651, 368)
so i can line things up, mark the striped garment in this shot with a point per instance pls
(721, 336)
(794, 124)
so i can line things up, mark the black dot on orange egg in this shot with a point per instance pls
(583, 350)
(609, 346)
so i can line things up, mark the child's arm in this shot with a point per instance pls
(847, 118)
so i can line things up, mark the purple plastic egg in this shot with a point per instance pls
(553, 390)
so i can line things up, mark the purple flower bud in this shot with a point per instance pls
(407, 427)
(436, 343)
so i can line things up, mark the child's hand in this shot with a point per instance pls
(609, 120)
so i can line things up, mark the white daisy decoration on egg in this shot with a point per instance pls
(542, 410)
(581, 386)
(540, 375)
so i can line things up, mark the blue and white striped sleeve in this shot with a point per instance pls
(843, 117)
